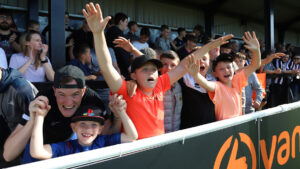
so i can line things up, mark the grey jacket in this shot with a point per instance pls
(172, 108)
(253, 84)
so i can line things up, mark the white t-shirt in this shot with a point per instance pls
(17, 60)
(3, 60)
(140, 45)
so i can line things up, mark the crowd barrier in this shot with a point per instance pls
(266, 139)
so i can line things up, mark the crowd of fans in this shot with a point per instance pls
(153, 87)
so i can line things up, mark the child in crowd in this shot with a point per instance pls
(253, 84)
(87, 124)
(173, 97)
(197, 108)
(226, 93)
(146, 107)
(82, 60)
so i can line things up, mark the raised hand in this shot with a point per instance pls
(251, 41)
(39, 106)
(192, 65)
(117, 104)
(124, 44)
(94, 18)
(212, 45)
(220, 41)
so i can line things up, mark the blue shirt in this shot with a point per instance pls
(86, 70)
(72, 146)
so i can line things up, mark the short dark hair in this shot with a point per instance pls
(131, 23)
(191, 37)
(120, 17)
(31, 23)
(163, 27)
(224, 57)
(179, 30)
(199, 28)
(227, 46)
(170, 54)
(80, 49)
(145, 31)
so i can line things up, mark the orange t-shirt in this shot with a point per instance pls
(147, 112)
(228, 100)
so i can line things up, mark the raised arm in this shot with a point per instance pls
(127, 46)
(38, 149)
(118, 106)
(193, 67)
(271, 57)
(179, 70)
(16, 142)
(97, 25)
(253, 46)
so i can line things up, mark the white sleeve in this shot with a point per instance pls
(3, 60)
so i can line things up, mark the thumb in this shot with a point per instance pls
(106, 19)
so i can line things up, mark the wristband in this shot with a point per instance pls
(44, 61)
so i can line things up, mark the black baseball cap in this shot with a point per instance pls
(90, 112)
(142, 60)
(69, 71)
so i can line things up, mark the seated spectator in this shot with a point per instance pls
(190, 44)
(3, 60)
(114, 32)
(146, 107)
(82, 60)
(197, 108)
(253, 85)
(179, 41)
(15, 95)
(133, 28)
(142, 42)
(83, 35)
(33, 62)
(88, 125)
(9, 38)
(163, 41)
(226, 93)
(173, 97)
(33, 25)
(69, 92)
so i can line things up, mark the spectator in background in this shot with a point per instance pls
(172, 97)
(199, 33)
(33, 62)
(123, 57)
(33, 25)
(83, 35)
(253, 85)
(142, 42)
(9, 39)
(191, 41)
(82, 60)
(226, 48)
(295, 66)
(3, 59)
(163, 41)
(179, 41)
(133, 28)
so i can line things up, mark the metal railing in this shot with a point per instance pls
(112, 152)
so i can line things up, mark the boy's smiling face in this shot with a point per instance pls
(224, 72)
(86, 131)
(204, 64)
(146, 77)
